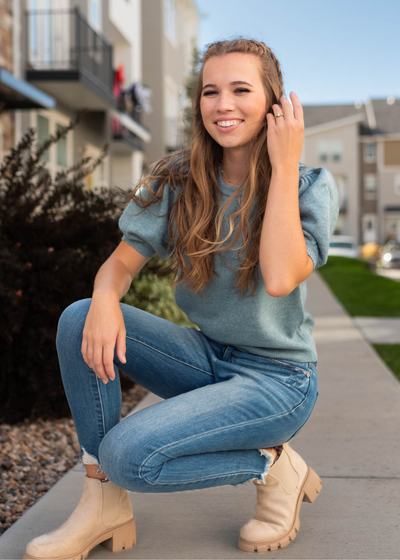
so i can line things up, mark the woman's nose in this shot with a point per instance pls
(225, 102)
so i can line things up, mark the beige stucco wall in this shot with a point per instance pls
(347, 167)
(166, 64)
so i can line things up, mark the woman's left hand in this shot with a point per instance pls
(285, 136)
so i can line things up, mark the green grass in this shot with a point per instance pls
(361, 292)
(365, 294)
(390, 354)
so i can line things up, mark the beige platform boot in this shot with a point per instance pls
(289, 482)
(103, 516)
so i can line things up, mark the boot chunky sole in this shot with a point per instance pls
(309, 491)
(117, 539)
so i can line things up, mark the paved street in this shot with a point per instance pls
(351, 441)
(393, 273)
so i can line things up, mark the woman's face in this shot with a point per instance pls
(224, 100)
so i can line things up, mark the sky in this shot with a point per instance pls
(330, 52)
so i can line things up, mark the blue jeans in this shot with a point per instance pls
(221, 407)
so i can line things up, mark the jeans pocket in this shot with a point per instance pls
(293, 366)
(294, 375)
(290, 374)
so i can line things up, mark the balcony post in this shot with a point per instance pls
(78, 49)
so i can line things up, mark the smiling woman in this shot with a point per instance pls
(233, 111)
(236, 208)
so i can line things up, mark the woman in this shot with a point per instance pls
(237, 390)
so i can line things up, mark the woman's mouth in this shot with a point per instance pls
(228, 125)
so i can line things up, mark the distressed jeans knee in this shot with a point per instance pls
(88, 459)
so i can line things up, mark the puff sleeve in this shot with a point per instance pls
(147, 232)
(319, 211)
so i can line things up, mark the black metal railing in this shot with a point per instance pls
(61, 40)
(119, 131)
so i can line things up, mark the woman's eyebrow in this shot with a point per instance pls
(232, 84)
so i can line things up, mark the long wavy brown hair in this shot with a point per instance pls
(195, 220)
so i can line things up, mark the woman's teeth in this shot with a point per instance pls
(227, 123)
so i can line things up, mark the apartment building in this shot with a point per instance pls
(170, 30)
(360, 145)
(73, 51)
(15, 93)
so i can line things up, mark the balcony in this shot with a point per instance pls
(124, 139)
(127, 131)
(19, 94)
(68, 59)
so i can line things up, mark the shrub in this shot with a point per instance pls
(54, 235)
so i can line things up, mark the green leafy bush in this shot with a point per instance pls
(54, 236)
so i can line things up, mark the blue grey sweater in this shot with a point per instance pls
(275, 327)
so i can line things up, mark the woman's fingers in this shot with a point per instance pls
(108, 360)
(84, 351)
(98, 366)
(297, 107)
(121, 346)
(280, 121)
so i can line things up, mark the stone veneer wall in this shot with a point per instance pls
(6, 62)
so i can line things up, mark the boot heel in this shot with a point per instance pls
(312, 486)
(122, 538)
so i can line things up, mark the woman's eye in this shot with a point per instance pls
(236, 90)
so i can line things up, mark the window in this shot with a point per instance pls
(336, 151)
(95, 14)
(60, 154)
(330, 151)
(47, 38)
(98, 177)
(61, 149)
(341, 182)
(323, 151)
(369, 152)
(170, 19)
(341, 245)
(43, 134)
(370, 186)
(33, 30)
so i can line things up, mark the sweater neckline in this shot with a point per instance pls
(226, 189)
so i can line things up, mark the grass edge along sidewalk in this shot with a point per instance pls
(365, 294)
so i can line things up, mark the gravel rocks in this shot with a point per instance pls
(34, 455)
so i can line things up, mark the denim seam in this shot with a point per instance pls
(288, 385)
(101, 406)
(204, 478)
(219, 430)
(226, 348)
(288, 366)
(168, 356)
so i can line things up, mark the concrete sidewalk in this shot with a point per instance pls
(352, 441)
(379, 330)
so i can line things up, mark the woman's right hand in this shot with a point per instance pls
(104, 328)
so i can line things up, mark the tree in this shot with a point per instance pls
(190, 90)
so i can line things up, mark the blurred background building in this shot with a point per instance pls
(360, 145)
(60, 57)
(127, 63)
(170, 30)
